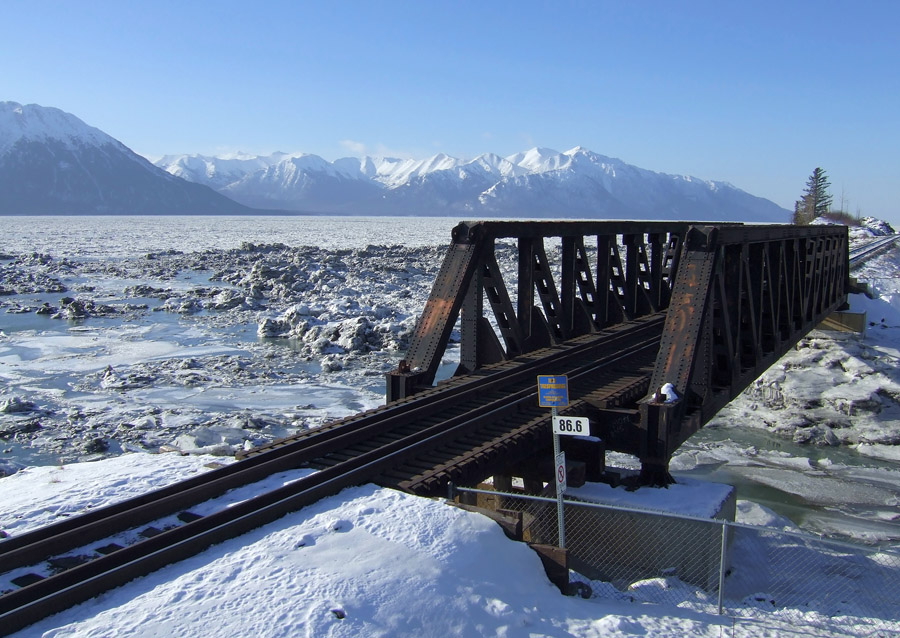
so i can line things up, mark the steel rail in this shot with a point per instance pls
(487, 379)
(24, 606)
(861, 254)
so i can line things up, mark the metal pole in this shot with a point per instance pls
(722, 566)
(559, 493)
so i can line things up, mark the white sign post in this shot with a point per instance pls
(559, 458)
(553, 392)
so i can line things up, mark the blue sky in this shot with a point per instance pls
(754, 93)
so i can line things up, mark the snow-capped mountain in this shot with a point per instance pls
(305, 183)
(536, 183)
(53, 163)
(217, 172)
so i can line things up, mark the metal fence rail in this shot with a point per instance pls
(716, 566)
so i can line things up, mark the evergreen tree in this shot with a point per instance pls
(815, 201)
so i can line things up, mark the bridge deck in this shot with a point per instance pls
(497, 404)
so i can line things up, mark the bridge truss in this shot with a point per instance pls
(735, 298)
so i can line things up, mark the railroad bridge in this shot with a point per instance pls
(621, 308)
(704, 307)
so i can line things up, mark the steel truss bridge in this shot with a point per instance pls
(729, 300)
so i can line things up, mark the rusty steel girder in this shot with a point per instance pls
(607, 273)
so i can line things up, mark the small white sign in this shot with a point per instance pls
(571, 425)
(560, 472)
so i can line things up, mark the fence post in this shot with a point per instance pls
(722, 565)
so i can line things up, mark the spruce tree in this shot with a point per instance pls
(815, 201)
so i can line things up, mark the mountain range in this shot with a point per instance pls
(537, 183)
(53, 163)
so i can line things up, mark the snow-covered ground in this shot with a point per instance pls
(373, 562)
(128, 337)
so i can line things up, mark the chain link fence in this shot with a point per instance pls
(753, 574)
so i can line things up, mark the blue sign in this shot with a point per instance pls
(553, 391)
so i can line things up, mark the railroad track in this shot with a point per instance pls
(859, 255)
(417, 444)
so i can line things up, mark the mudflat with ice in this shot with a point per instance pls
(202, 351)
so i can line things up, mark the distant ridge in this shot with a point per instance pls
(53, 163)
(536, 183)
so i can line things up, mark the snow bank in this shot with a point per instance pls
(687, 497)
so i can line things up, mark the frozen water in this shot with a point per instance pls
(116, 236)
(117, 340)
